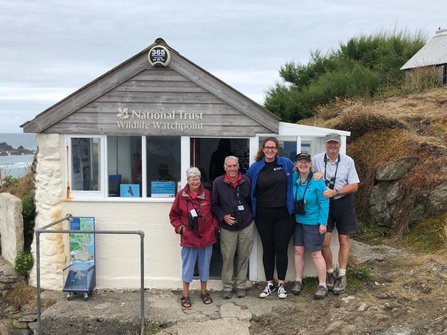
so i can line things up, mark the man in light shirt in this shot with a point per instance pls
(342, 181)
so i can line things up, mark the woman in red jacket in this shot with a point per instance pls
(192, 218)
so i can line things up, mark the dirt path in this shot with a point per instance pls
(407, 296)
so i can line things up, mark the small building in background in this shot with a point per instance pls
(430, 62)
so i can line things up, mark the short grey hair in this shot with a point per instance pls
(231, 157)
(193, 172)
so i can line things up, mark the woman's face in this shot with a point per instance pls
(303, 165)
(270, 151)
(194, 183)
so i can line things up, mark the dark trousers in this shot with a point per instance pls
(275, 227)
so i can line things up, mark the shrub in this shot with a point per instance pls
(29, 213)
(24, 263)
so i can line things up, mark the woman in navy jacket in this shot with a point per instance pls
(273, 209)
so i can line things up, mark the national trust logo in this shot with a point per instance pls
(123, 113)
(159, 56)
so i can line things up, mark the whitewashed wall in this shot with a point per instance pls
(11, 226)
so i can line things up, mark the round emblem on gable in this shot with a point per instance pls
(159, 56)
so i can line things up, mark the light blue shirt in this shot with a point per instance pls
(316, 207)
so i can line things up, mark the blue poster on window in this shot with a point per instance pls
(130, 190)
(163, 189)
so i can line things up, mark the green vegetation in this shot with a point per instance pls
(24, 263)
(428, 236)
(366, 66)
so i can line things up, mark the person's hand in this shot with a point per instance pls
(229, 219)
(318, 175)
(180, 231)
(329, 193)
(322, 229)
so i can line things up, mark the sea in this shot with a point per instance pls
(17, 166)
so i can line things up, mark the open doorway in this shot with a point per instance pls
(208, 155)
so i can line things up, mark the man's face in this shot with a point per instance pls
(332, 147)
(231, 168)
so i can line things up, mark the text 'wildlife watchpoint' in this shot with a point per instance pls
(178, 120)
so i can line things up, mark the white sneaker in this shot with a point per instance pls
(282, 293)
(269, 288)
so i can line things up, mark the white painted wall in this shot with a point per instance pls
(118, 256)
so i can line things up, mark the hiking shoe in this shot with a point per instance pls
(340, 285)
(241, 293)
(297, 287)
(226, 294)
(330, 281)
(269, 288)
(282, 293)
(321, 292)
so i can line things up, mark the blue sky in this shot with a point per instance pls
(50, 48)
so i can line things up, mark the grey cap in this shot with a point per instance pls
(332, 137)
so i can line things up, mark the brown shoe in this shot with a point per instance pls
(241, 293)
(226, 295)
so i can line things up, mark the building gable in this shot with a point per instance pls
(137, 98)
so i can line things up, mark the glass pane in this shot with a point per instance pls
(85, 169)
(163, 165)
(124, 166)
(287, 146)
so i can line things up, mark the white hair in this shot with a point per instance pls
(193, 172)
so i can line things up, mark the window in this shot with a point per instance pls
(163, 165)
(85, 164)
(124, 168)
(128, 166)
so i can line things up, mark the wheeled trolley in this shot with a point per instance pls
(80, 274)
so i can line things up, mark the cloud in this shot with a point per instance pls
(51, 48)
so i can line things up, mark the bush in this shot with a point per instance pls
(28, 213)
(24, 263)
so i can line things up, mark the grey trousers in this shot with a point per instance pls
(230, 243)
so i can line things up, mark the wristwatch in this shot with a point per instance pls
(336, 192)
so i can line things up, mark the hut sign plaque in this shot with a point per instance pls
(159, 56)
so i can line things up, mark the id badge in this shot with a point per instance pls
(240, 207)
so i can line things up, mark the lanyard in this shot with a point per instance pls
(336, 169)
(236, 191)
(309, 176)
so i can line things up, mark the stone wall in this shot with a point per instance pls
(49, 194)
(11, 226)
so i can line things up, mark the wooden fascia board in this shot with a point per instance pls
(224, 92)
(87, 94)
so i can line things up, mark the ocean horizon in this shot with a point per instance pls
(17, 166)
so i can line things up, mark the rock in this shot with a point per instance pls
(394, 170)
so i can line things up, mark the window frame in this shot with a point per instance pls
(103, 193)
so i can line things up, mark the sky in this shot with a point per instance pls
(51, 48)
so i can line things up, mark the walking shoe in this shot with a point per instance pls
(340, 285)
(226, 294)
(321, 292)
(330, 281)
(269, 288)
(297, 287)
(282, 293)
(241, 293)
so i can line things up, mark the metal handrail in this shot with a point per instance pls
(43, 230)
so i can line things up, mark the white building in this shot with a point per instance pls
(165, 110)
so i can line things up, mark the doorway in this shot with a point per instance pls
(208, 154)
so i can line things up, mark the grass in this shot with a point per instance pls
(21, 294)
(428, 236)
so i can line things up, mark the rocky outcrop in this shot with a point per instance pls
(384, 198)
(8, 150)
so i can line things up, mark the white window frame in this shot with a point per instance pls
(102, 193)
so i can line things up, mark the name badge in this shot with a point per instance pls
(193, 212)
(240, 207)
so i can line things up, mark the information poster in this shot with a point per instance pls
(82, 246)
(163, 189)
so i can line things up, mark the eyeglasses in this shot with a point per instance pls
(270, 148)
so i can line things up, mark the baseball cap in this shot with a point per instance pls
(332, 137)
(302, 155)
